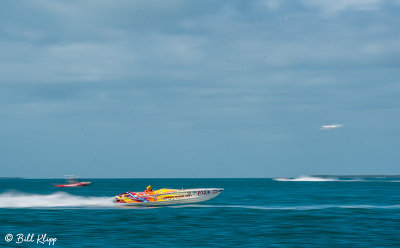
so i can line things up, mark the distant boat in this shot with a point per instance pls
(72, 181)
(332, 126)
(305, 179)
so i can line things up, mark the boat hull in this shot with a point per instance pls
(167, 197)
(80, 184)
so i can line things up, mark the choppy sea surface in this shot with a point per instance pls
(280, 212)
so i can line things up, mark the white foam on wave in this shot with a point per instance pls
(55, 200)
(306, 179)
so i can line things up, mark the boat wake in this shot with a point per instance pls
(337, 179)
(64, 200)
(55, 200)
(306, 179)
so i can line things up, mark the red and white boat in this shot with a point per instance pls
(80, 184)
(73, 182)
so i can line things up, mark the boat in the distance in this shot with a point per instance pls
(167, 196)
(72, 181)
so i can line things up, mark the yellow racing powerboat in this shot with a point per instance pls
(167, 196)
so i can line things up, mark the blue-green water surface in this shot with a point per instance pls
(362, 212)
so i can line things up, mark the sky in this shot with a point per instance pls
(180, 88)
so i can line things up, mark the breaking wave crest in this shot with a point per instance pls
(55, 200)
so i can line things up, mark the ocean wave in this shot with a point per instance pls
(55, 200)
(294, 208)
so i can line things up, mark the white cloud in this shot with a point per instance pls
(72, 62)
(330, 8)
(270, 4)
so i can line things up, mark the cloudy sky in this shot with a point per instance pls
(199, 88)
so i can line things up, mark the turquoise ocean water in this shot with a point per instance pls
(305, 212)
